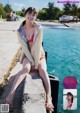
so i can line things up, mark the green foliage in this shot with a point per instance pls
(74, 9)
(7, 8)
(51, 5)
(67, 8)
(78, 12)
(23, 9)
(2, 12)
(42, 15)
(50, 13)
(53, 13)
(61, 12)
(20, 13)
(70, 9)
(56, 13)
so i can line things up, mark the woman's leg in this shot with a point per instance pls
(19, 78)
(43, 73)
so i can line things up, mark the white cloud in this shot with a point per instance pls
(19, 5)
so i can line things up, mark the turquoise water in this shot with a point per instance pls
(63, 47)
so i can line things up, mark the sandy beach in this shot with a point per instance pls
(73, 24)
(9, 45)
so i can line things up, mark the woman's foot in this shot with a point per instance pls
(48, 104)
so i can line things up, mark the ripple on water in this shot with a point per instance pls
(63, 48)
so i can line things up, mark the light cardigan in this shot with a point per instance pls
(37, 50)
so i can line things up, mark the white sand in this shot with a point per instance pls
(73, 24)
(9, 45)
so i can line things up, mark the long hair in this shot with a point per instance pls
(29, 10)
(72, 97)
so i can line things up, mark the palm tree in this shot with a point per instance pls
(51, 10)
(74, 9)
(8, 8)
(67, 8)
(51, 5)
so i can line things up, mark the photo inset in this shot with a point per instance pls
(70, 99)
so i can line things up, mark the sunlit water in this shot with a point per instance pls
(63, 48)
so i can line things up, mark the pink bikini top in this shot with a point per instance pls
(70, 105)
(31, 39)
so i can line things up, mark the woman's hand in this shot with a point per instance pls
(32, 67)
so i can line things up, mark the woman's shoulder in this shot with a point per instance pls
(38, 25)
(21, 26)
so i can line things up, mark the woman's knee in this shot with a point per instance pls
(42, 65)
(42, 69)
(27, 69)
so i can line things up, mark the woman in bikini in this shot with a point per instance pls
(32, 56)
(69, 98)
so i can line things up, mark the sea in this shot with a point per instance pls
(63, 58)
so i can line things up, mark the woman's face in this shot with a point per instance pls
(69, 98)
(30, 16)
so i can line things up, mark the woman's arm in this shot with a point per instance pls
(25, 48)
(37, 47)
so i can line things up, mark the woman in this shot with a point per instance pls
(32, 55)
(70, 100)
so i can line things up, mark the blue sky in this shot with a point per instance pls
(38, 4)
